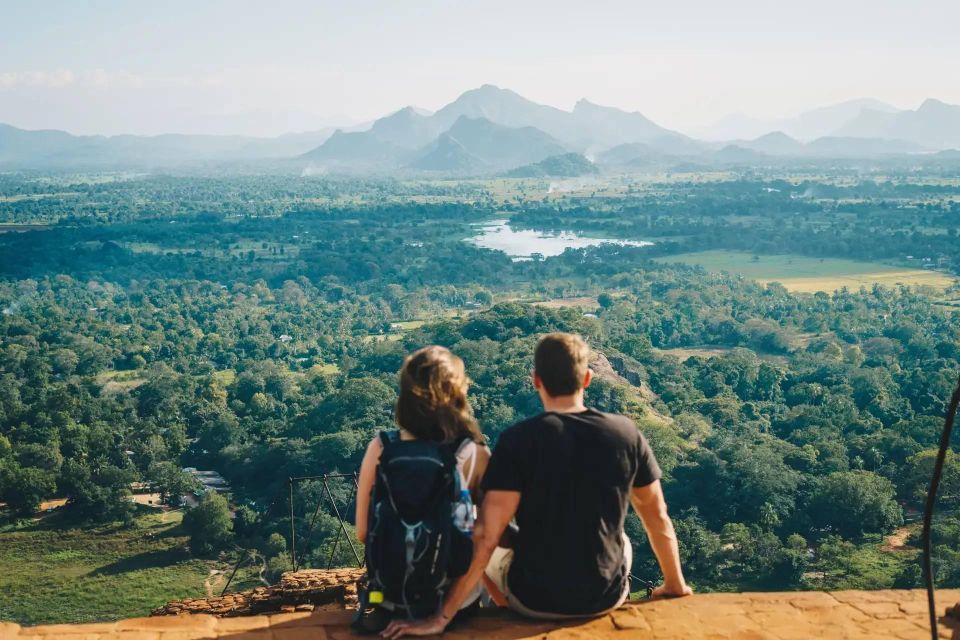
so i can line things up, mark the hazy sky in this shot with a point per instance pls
(278, 65)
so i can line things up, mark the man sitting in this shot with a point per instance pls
(567, 476)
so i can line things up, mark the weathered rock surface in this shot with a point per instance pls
(307, 590)
(745, 616)
(617, 370)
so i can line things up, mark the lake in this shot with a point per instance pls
(522, 244)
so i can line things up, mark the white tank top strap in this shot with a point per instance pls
(467, 453)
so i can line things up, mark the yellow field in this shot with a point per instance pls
(225, 377)
(809, 275)
(586, 302)
(115, 382)
(690, 352)
(913, 277)
(324, 369)
(709, 351)
(21, 197)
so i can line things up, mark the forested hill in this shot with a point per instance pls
(783, 435)
(799, 430)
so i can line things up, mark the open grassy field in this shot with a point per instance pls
(23, 197)
(239, 249)
(804, 274)
(409, 325)
(581, 302)
(114, 382)
(712, 351)
(53, 572)
(225, 377)
(324, 369)
(684, 353)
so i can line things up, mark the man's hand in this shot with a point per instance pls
(430, 627)
(675, 592)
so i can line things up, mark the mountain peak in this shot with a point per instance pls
(775, 143)
(487, 91)
(588, 126)
(567, 165)
(774, 135)
(932, 104)
(406, 127)
(407, 113)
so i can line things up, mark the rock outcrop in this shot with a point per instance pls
(870, 615)
(616, 369)
(307, 590)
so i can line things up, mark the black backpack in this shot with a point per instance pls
(413, 551)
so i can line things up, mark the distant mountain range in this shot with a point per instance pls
(495, 131)
(934, 125)
(806, 126)
(489, 129)
(50, 149)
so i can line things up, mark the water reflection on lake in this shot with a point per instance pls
(522, 244)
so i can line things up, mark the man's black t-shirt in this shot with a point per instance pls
(574, 472)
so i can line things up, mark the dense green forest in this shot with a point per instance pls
(255, 326)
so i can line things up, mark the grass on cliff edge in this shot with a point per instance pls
(52, 571)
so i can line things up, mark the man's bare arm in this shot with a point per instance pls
(652, 509)
(497, 510)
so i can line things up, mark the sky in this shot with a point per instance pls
(266, 68)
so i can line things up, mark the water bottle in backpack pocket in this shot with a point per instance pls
(464, 513)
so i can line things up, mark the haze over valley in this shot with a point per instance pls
(490, 131)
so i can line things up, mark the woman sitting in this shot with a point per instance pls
(416, 492)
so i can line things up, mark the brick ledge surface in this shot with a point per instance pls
(745, 616)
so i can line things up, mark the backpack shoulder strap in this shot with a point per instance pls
(387, 437)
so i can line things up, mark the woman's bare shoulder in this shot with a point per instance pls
(374, 447)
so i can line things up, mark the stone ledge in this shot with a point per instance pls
(735, 616)
(306, 590)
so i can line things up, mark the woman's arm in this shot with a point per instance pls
(365, 480)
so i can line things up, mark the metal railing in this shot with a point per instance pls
(342, 532)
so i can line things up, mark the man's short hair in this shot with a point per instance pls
(561, 361)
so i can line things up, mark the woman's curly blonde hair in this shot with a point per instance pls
(433, 401)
